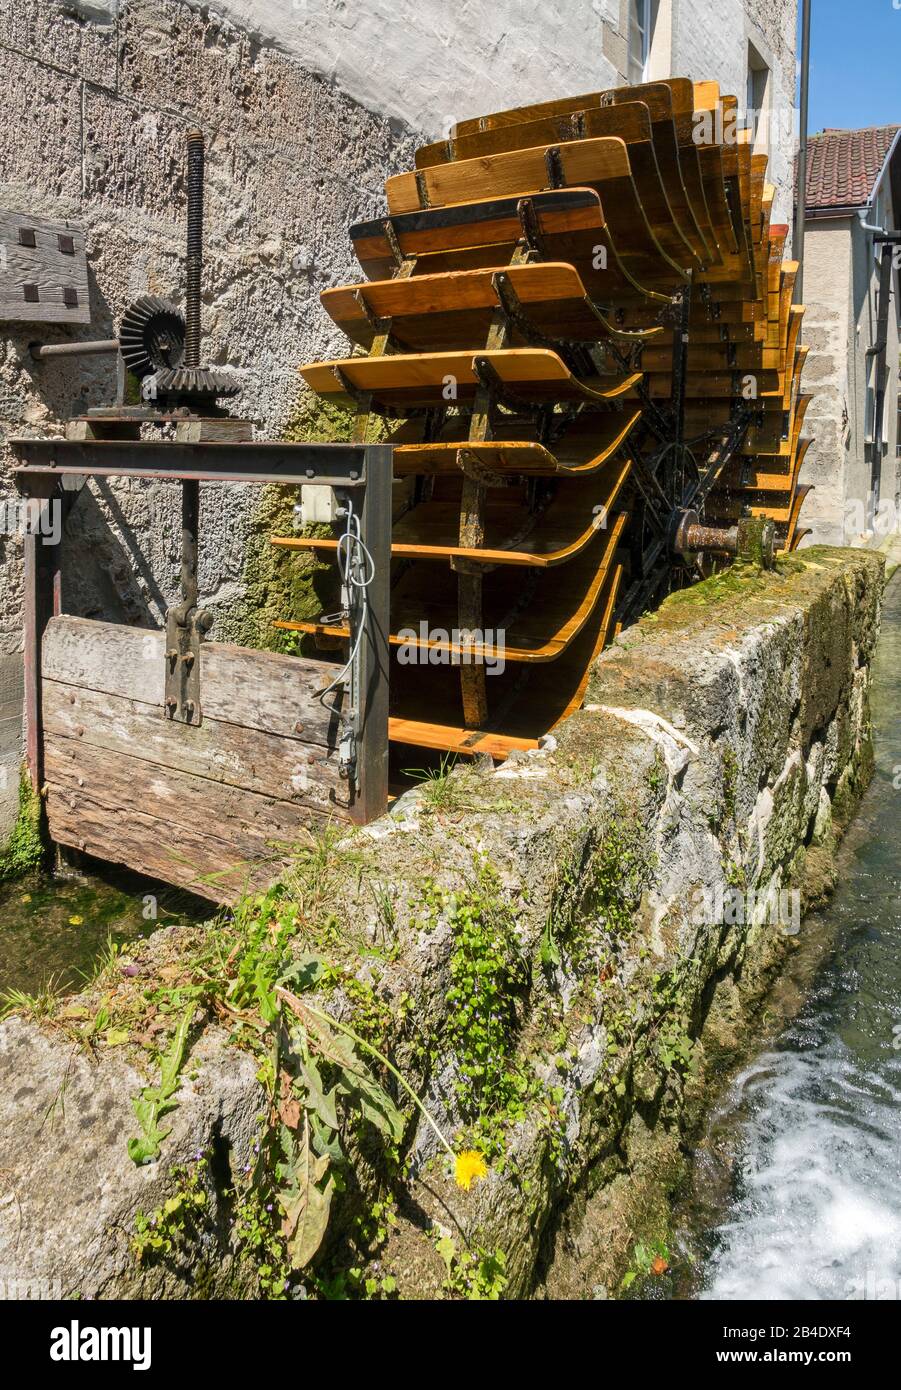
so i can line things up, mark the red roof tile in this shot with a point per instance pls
(843, 165)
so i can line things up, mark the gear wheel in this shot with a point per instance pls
(199, 382)
(152, 336)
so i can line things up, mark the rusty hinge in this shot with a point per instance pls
(183, 664)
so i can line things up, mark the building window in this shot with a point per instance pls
(640, 25)
(756, 93)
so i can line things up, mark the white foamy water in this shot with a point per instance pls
(817, 1213)
(815, 1210)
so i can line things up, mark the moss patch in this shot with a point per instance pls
(278, 583)
(24, 850)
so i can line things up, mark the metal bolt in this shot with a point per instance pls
(172, 655)
(188, 659)
(189, 708)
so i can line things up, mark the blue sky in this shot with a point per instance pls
(855, 63)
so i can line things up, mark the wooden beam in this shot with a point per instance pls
(43, 271)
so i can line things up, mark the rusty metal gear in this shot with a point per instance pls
(195, 382)
(152, 336)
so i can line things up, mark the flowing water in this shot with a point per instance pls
(801, 1168)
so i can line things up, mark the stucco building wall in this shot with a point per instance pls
(828, 332)
(841, 278)
(711, 40)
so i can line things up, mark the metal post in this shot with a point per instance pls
(801, 185)
(186, 624)
(372, 716)
(674, 473)
(43, 600)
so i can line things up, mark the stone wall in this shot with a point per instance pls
(828, 331)
(841, 277)
(711, 39)
(608, 898)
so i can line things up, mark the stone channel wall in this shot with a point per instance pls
(602, 907)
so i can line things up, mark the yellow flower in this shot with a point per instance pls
(26, 898)
(76, 921)
(470, 1166)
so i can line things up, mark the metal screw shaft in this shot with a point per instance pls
(195, 248)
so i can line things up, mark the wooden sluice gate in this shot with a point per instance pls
(212, 792)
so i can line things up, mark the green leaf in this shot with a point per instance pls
(156, 1101)
(304, 972)
(306, 1203)
(447, 1250)
(171, 1062)
(550, 952)
(147, 1146)
(115, 1037)
(379, 1109)
(323, 1102)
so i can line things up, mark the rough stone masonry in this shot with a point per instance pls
(723, 748)
(97, 103)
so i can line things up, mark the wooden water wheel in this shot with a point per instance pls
(577, 327)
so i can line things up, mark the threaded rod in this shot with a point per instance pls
(195, 248)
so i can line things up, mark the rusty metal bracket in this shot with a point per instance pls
(183, 665)
(529, 227)
(556, 178)
(186, 624)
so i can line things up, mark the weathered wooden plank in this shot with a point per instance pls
(283, 768)
(191, 831)
(43, 271)
(257, 690)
